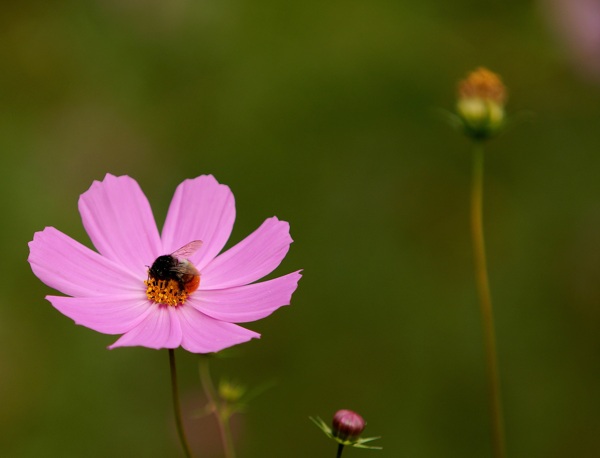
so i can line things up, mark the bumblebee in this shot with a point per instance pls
(177, 267)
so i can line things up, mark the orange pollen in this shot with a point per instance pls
(165, 292)
(482, 84)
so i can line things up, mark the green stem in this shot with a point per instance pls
(340, 450)
(216, 408)
(176, 407)
(485, 302)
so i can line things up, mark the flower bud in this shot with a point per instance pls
(481, 98)
(231, 392)
(347, 425)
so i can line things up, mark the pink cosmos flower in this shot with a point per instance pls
(109, 291)
(577, 23)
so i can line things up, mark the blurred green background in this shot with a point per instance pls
(324, 114)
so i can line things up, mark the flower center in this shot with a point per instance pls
(166, 291)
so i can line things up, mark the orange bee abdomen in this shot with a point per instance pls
(192, 284)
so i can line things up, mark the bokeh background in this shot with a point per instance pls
(326, 115)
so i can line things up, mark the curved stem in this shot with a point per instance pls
(339, 451)
(176, 407)
(216, 408)
(485, 301)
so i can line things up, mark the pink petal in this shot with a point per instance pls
(246, 303)
(203, 334)
(72, 268)
(119, 221)
(109, 315)
(253, 258)
(201, 209)
(159, 329)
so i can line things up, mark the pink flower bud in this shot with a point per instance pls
(347, 425)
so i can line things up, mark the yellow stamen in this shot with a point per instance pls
(165, 292)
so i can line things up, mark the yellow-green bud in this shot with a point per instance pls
(480, 105)
(230, 391)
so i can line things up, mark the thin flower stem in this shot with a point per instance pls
(485, 301)
(340, 450)
(176, 407)
(216, 408)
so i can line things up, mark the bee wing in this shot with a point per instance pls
(187, 250)
(185, 267)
